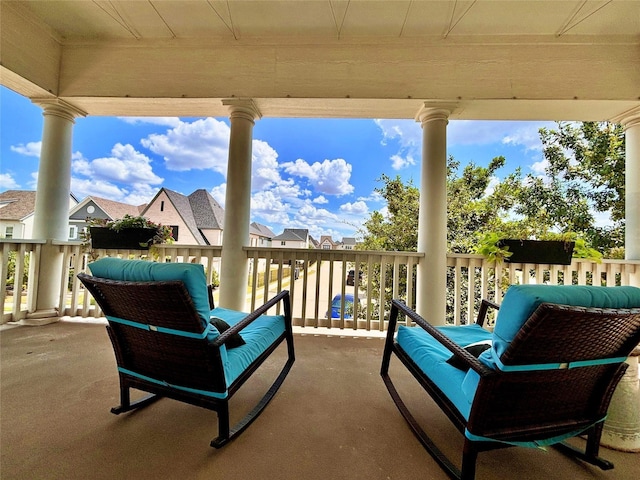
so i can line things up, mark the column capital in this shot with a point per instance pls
(60, 108)
(431, 111)
(243, 108)
(628, 119)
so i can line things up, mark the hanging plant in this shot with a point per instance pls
(127, 233)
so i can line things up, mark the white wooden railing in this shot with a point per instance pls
(313, 277)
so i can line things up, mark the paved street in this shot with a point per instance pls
(298, 290)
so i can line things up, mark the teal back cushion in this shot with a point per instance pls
(191, 274)
(520, 301)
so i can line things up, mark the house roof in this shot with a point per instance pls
(114, 209)
(182, 205)
(207, 212)
(327, 239)
(348, 241)
(293, 234)
(261, 230)
(198, 211)
(17, 204)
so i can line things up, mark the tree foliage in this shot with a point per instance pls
(583, 175)
(585, 165)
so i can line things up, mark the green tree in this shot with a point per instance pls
(584, 173)
(398, 229)
(585, 166)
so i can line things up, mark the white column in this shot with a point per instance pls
(51, 217)
(632, 186)
(234, 268)
(431, 286)
(621, 429)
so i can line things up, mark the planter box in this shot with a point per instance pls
(538, 251)
(125, 239)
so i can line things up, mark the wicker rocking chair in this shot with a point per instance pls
(168, 342)
(555, 357)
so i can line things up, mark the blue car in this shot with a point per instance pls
(336, 305)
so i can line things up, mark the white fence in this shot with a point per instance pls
(314, 278)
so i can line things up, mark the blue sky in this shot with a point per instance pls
(318, 174)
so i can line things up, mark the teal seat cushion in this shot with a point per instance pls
(258, 336)
(520, 302)
(191, 274)
(431, 357)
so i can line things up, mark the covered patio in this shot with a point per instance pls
(431, 61)
(332, 419)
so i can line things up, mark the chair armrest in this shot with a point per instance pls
(468, 359)
(237, 328)
(484, 308)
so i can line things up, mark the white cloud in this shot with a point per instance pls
(264, 166)
(375, 196)
(200, 145)
(358, 208)
(125, 165)
(330, 177)
(135, 194)
(268, 205)
(167, 121)
(219, 193)
(31, 149)
(493, 183)
(84, 187)
(486, 132)
(310, 215)
(408, 133)
(539, 168)
(398, 162)
(320, 200)
(8, 182)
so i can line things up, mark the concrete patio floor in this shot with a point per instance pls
(332, 419)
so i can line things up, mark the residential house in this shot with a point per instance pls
(197, 219)
(17, 208)
(292, 238)
(327, 243)
(260, 235)
(97, 207)
(348, 243)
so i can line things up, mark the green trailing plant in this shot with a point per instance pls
(488, 246)
(163, 233)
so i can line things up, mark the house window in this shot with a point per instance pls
(8, 232)
(326, 246)
(162, 206)
(73, 232)
(282, 243)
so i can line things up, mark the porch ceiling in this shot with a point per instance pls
(482, 59)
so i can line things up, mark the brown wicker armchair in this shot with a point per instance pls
(548, 375)
(165, 341)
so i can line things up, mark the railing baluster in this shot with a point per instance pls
(309, 295)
